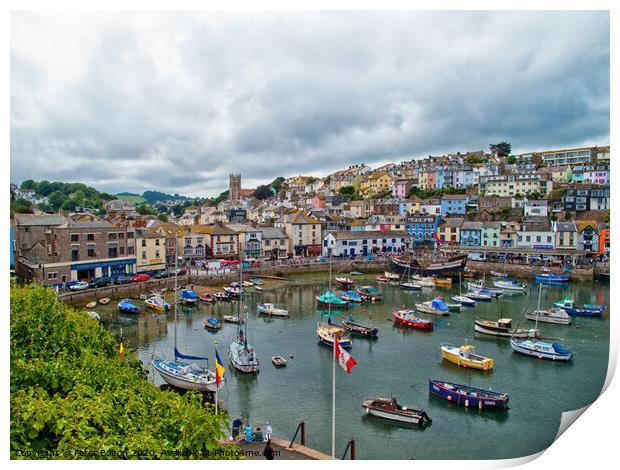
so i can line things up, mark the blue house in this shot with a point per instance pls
(422, 229)
(471, 234)
(454, 204)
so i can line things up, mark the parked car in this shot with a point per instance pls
(229, 262)
(79, 286)
(101, 282)
(162, 275)
(181, 272)
(123, 280)
(141, 277)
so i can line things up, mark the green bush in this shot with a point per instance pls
(73, 397)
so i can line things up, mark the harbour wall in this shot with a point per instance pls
(525, 271)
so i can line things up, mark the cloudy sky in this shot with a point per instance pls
(175, 102)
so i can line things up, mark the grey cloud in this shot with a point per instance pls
(175, 102)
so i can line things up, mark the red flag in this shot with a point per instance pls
(436, 238)
(344, 358)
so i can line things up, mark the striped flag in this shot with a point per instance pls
(219, 369)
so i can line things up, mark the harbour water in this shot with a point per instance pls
(398, 363)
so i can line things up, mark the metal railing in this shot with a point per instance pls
(351, 446)
(301, 426)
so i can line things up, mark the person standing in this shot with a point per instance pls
(236, 425)
(268, 432)
(268, 451)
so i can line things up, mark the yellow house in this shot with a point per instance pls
(150, 251)
(376, 183)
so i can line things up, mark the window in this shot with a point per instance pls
(121, 250)
(156, 253)
(75, 253)
(52, 275)
(112, 236)
(157, 242)
(91, 251)
(121, 236)
(143, 254)
(112, 250)
(130, 250)
(143, 242)
(90, 237)
(75, 237)
(129, 235)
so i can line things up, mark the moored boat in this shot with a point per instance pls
(126, 306)
(391, 276)
(407, 317)
(510, 284)
(503, 327)
(271, 310)
(442, 281)
(541, 349)
(188, 296)
(232, 291)
(410, 286)
(104, 301)
(185, 375)
(157, 303)
(329, 300)
(423, 281)
(587, 310)
(257, 281)
(359, 330)
(93, 314)
(352, 296)
(429, 265)
(222, 296)
(498, 274)
(381, 278)
(369, 293)
(479, 296)
(454, 307)
(553, 315)
(212, 323)
(278, 361)
(389, 408)
(466, 356)
(435, 307)
(91, 304)
(232, 319)
(464, 300)
(206, 297)
(468, 396)
(344, 281)
(551, 277)
(326, 333)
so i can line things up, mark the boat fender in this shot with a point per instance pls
(450, 399)
(466, 402)
(480, 404)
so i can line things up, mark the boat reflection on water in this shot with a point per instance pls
(387, 426)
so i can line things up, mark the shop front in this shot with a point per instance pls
(90, 271)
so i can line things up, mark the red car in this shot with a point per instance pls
(228, 262)
(141, 278)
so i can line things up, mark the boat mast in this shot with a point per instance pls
(538, 309)
(176, 277)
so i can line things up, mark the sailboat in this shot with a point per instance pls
(241, 354)
(327, 332)
(462, 299)
(408, 284)
(553, 315)
(181, 374)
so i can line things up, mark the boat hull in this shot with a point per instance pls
(540, 354)
(548, 319)
(450, 267)
(400, 418)
(481, 400)
(506, 333)
(455, 358)
(182, 382)
(359, 330)
(417, 323)
(325, 305)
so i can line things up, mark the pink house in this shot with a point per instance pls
(401, 187)
(318, 203)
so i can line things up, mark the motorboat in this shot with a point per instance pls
(157, 303)
(551, 277)
(206, 297)
(553, 315)
(232, 319)
(269, 309)
(188, 296)
(503, 327)
(330, 300)
(389, 408)
(391, 276)
(278, 361)
(466, 356)
(257, 281)
(212, 323)
(352, 296)
(510, 284)
(369, 293)
(221, 296)
(232, 291)
(541, 349)
(410, 286)
(588, 310)
(468, 396)
(326, 333)
(436, 307)
(126, 306)
(442, 281)
(104, 301)
(423, 281)
(477, 296)
(92, 304)
(344, 281)
(464, 300)
(382, 279)
(408, 317)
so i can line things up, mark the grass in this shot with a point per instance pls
(134, 199)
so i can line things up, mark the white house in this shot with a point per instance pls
(536, 208)
(365, 242)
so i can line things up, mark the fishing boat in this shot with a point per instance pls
(206, 297)
(369, 293)
(92, 304)
(157, 303)
(442, 281)
(278, 361)
(326, 333)
(232, 319)
(352, 296)
(464, 300)
(257, 281)
(408, 317)
(104, 301)
(503, 327)
(497, 274)
(222, 296)
(429, 264)
(269, 309)
(551, 277)
(468, 396)
(541, 349)
(188, 296)
(423, 281)
(553, 315)
(388, 408)
(125, 306)
(466, 356)
(436, 307)
(182, 374)
(359, 330)
(510, 284)
(383, 279)
(588, 310)
(241, 353)
(344, 281)
(391, 276)
(330, 300)
(478, 286)
(478, 296)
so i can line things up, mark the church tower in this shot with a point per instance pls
(234, 188)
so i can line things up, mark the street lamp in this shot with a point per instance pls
(42, 266)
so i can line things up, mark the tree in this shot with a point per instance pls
(568, 216)
(503, 149)
(28, 184)
(45, 188)
(506, 211)
(21, 206)
(163, 217)
(511, 160)
(556, 194)
(311, 180)
(474, 159)
(144, 209)
(607, 217)
(347, 190)
(57, 199)
(177, 210)
(71, 392)
(262, 192)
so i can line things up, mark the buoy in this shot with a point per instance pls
(466, 402)
(449, 398)
(540, 356)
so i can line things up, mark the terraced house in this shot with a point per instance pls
(363, 243)
(150, 251)
(303, 232)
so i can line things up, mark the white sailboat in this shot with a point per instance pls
(182, 374)
(553, 315)
(241, 354)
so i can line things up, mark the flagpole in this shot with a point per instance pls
(334, 398)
